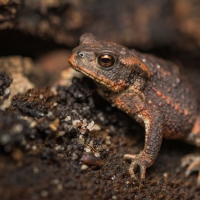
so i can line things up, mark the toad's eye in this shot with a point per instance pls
(106, 60)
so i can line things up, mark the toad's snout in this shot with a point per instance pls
(72, 60)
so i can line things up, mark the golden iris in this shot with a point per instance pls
(106, 60)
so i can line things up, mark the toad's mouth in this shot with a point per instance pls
(116, 87)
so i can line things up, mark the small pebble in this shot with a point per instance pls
(44, 193)
(84, 167)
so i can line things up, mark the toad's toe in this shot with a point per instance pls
(192, 162)
(140, 160)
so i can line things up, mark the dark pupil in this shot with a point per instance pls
(106, 60)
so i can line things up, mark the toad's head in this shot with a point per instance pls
(107, 63)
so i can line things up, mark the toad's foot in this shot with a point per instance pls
(193, 163)
(140, 160)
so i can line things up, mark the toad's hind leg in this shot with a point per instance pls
(192, 161)
(194, 136)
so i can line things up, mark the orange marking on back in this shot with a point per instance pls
(176, 107)
(130, 61)
(186, 112)
(164, 72)
(159, 93)
(169, 102)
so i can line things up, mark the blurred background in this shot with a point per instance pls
(139, 23)
(47, 30)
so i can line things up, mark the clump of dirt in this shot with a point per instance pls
(5, 82)
(14, 132)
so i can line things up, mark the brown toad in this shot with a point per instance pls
(149, 89)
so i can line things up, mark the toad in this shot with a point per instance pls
(151, 90)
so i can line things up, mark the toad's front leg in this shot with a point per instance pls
(153, 138)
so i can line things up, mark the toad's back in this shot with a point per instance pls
(170, 92)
